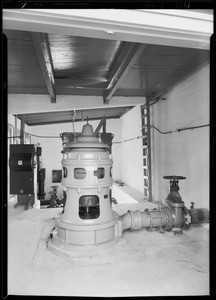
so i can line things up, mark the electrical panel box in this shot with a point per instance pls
(21, 164)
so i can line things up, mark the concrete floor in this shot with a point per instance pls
(143, 263)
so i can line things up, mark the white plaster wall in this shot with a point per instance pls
(131, 151)
(183, 153)
(52, 147)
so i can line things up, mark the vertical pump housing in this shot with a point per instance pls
(87, 218)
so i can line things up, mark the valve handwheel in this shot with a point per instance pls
(173, 177)
(174, 195)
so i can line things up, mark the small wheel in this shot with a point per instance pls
(173, 177)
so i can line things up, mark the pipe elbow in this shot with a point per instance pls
(126, 221)
(132, 220)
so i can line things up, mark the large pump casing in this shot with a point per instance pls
(88, 218)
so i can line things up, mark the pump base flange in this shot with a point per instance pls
(77, 251)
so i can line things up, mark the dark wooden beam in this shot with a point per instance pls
(76, 83)
(42, 48)
(67, 121)
(129, 53)
(104, 126)
(99, 126)
(22, 129)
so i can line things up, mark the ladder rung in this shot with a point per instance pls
(145, 126)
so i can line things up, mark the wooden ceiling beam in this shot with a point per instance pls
(77, 83)
(129, 53)
(42, 48)
(174, 27)
(22, 129)
(48, 122)
(99, 126)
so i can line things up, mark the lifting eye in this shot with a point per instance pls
(79, 173)
(100, 173)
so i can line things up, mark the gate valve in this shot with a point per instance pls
(174, 196)
(174, 182)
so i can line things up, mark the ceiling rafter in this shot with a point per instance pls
(103, 120)
(56, 117)
(49, 122)
(42, 48)
(127, 57)
(142, 26)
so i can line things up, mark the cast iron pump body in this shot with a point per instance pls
(88, 218)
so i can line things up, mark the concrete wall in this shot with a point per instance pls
(131, 160)
(183, 153)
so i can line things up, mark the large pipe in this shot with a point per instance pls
(176, 216)
(149, 218)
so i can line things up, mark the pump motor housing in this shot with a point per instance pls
(88, 218)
